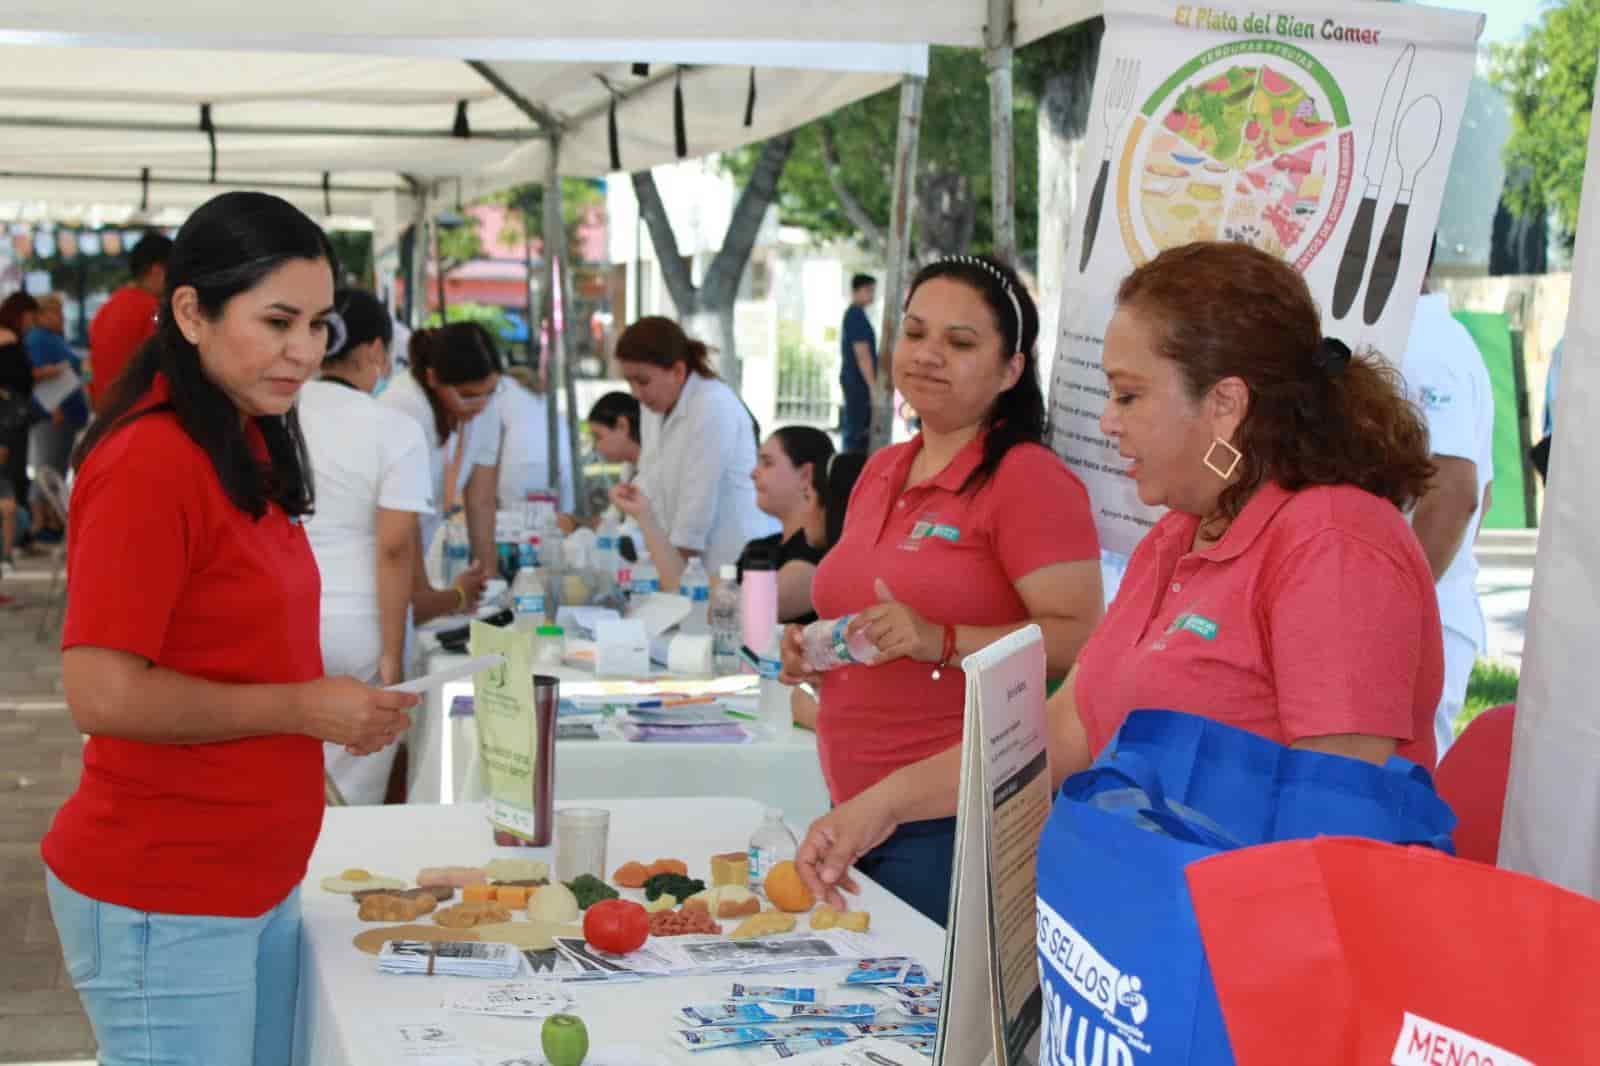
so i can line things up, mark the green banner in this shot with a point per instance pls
(508, 732)
(1491, 333)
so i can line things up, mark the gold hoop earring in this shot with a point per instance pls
(1234, 458)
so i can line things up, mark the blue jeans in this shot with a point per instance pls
(915, 864)
(182, 989)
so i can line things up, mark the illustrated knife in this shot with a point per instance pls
(1353, 266)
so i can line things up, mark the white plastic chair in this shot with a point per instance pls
(53, 488)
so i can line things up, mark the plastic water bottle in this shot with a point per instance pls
(646, 580)
(457, 551)
(829, 645)
(724, 619)
(695, 585)
(553, 560)
(528, 552)
(528, 598)
(772, 844)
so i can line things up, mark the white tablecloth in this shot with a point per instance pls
(783, 773)
(343, 996)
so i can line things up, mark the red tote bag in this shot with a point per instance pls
(1344, 952)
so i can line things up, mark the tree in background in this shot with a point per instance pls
(711, 302)
(837, 184)
(1548, 79)
(1058, 71)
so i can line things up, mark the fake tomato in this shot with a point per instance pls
(616, 925)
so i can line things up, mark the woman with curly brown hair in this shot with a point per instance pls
(1283, 591)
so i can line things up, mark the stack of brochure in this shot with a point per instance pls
(450, 958)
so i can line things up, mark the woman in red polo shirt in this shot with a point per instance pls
(191, 659)
(952, 540)
(1283, 591)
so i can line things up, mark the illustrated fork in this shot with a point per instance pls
(1118, 102)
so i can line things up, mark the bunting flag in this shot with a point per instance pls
(211, 136)
(680, 134)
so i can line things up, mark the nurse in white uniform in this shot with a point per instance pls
(525, 442)
(699, 448)
(449, 391)
(369, 464)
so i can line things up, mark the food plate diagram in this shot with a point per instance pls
(1250, 141)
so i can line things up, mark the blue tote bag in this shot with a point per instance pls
(1122, 963)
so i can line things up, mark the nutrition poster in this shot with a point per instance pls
(1319, 133)
(991, 1007)
(502, 701)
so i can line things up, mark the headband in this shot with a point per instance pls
(994, 272)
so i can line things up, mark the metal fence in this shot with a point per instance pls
(806, 377)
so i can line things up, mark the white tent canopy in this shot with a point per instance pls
(336, 133)
(494, 29)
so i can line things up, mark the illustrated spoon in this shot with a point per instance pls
(1416, 139)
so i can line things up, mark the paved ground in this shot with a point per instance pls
(40, 1017)
(40, 757)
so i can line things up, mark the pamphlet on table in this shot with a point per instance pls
(993, 1010)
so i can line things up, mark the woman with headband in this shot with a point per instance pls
(1283, 591)
(370, 465)
(967, 532)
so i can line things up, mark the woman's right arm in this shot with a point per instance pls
(397, 543)
(118, 694)
(1069, 741)
(794, 588)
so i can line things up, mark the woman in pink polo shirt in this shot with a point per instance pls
(969, 531)
(1283, 591)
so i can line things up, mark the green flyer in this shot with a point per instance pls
(502, 701)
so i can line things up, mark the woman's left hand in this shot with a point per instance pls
(630, 501)
(837, 839)
(897, 631)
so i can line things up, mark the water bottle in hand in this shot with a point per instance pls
(829, 645)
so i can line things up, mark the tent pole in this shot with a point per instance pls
(901, 210)
(554, 348)
(998, 39)
(416, 284)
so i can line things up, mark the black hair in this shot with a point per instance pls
(612, 407)
(808, 444)
(458, 354)
(843, 470)
(228, 246)
(860, 280)
(1019, 415)
(153, 250)
(365, 320)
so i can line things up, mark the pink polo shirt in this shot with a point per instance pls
(955, 560)
(1314, 615)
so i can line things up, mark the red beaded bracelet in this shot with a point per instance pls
(948, 651)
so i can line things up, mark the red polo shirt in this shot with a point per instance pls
(1314, 615)
(119, 329)
(954, 559)
(165, 567)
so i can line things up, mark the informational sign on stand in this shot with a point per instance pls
(502, 701)
(991, 1005)
(1321, 133)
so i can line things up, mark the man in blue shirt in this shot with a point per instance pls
(858, 365)
(50, 442)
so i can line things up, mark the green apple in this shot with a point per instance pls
(565, 1039)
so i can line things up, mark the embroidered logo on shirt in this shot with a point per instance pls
(1198, 624)
(925, 528)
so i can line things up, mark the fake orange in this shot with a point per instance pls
(785, 889)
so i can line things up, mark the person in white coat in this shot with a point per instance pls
(450, 391)
(1447, 380)
(369, 463)
(699, 444)
(525, 442)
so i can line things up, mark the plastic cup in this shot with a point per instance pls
(581, 834)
